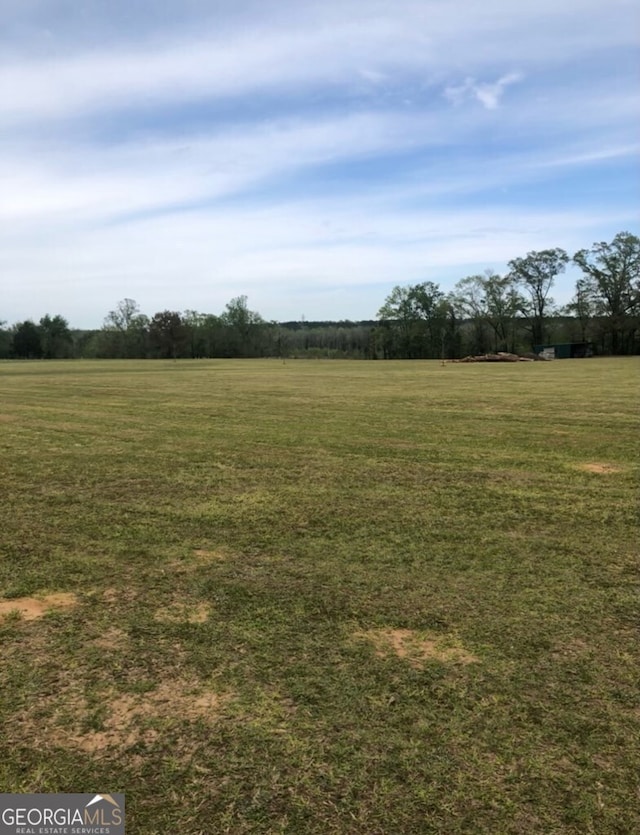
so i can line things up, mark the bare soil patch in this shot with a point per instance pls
(417, 647)
(183, 613)
(32, 608)
(130, 719)
(130, 716)
(600, 468)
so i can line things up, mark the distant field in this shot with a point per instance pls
(323, 597)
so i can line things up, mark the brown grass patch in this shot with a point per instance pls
(130, 719)
(506, 476)
(32, 608)
(183, 613)
(112, 596)
(200, 557)
(417, 647)
(600, 468)
(212, 554)
(112, 638)
(570, 649)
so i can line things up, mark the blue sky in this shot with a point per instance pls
(310, 154)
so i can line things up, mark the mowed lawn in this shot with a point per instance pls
(323, 597)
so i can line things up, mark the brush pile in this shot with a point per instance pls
(502, 356)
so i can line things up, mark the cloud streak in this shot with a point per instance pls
(488, 94)
(428, 41)
(310, 153)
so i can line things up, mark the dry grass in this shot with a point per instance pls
(600, 468)
(417, 648)
(183, 613)
(212, 554)
(126, 720)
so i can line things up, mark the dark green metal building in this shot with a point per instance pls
(565, 350)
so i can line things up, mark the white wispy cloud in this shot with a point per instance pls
(155, 173)
(320, 154)
(282, 257)
(423, 38)
(488, 94)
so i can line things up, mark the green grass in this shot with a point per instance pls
(241, 531)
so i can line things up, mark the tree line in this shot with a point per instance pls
(483, 313)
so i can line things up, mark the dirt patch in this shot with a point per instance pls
(600, 468)
(130, 717)
(32, 608)
(570, 649)
(417, 647)
(183, 613)
(126, 719)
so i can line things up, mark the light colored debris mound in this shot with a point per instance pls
(417, 647)
(183, 613)
(32, 608)
(502, 356)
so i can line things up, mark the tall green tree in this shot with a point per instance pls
(5, 341)
(245, 329)
(26, 343)
(470, 302)
(503, 304)
(413, 318)
(535, 274)
(168, 335)
(491, 304)
(55, 337)
(583, 308)
(434, 311)
(194, 323)
(450, 331)
(612, 276)
(399, 321)
(125, 331)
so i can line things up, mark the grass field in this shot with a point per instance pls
(323, 597)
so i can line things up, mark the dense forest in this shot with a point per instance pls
(489, 312)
